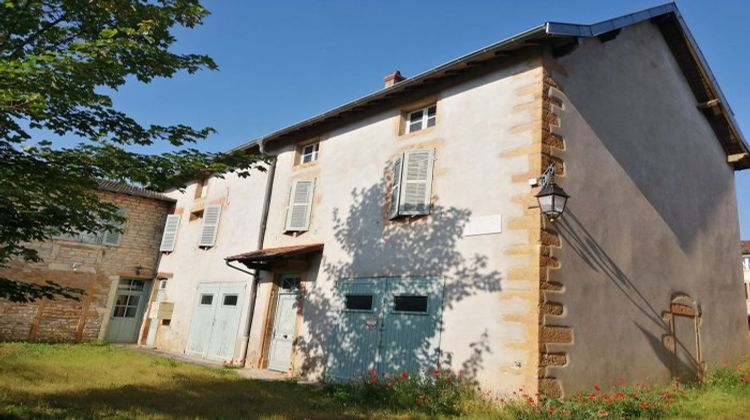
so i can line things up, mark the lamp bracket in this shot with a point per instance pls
(548, 176)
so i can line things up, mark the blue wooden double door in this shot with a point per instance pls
(389, 325)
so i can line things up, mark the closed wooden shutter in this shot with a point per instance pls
(210, 225)
(416, 183)
(395, 187)
(300, 205)
(169, 237)
(112, 238)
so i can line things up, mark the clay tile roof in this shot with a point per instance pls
(745, 245)
(117, 187)
(268, 254)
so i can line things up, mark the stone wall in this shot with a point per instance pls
(95, 269)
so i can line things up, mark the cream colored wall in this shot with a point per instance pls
(242, 203)
(489, 320)
(652, 215)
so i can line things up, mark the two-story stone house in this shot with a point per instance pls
(107, 276)
(401, 230)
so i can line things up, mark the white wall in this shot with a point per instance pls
(242, 203)
(476, 122)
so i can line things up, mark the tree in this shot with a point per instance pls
(56, 59)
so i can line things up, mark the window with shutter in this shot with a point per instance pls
(413, 193)
(300, 205)
(169, 237)
(210, 225)
(113, 238)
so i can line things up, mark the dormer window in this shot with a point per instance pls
(421, 118)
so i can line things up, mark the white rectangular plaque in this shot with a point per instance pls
(484, 225)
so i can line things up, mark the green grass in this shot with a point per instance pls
(94, 381)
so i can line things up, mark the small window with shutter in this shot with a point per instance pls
(300, 205)
(411, 190)
(210, 226)
(169, 237)
(112, 238)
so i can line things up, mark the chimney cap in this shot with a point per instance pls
(392, 78)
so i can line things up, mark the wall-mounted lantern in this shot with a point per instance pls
(552, 199)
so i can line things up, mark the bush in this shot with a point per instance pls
(630, 401)
(439, 391)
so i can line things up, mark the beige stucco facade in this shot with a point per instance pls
(241, 201)
(637, 281)
(489, 311)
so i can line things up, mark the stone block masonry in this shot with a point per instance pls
(96, 269)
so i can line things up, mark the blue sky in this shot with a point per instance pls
(283, 61)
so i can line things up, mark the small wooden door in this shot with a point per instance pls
(127, 311)
(282, 334)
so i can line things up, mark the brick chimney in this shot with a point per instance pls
(393, 78)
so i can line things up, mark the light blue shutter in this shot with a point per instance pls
(210, 225)
(416, 183)
(395, 187)
(112, 238)
(300, 205)
(169, 237)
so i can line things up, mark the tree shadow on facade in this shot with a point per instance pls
(400, 253)
(24, 292)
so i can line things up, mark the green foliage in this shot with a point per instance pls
(59, 57)
(437, 392)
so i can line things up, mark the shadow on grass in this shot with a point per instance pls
(185, 396)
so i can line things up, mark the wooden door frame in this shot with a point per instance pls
(270, 318)
(145, 293)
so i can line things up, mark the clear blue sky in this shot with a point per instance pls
(284, 61)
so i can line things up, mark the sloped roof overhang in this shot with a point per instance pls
(561, 37)
(272, 258)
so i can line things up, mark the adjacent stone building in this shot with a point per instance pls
(114, 271)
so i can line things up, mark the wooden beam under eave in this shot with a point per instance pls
(709, 104)
(736, 157)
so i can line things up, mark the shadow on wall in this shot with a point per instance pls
(587, 248)
(388, 256)
(26, 292)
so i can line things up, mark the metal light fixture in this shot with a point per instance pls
(552, 199)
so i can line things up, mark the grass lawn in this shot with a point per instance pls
(92, 380)
(89, 380)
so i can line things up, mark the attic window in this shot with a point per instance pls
(421, 118)
(307, 153)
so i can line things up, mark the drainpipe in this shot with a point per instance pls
(255, 273)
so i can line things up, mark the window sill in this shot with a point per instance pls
(406, 136)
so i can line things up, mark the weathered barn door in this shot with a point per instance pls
(127, 311)
(216, 319)
(357, 328)
(411, 324)
(389, 325)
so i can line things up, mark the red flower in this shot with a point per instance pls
(551, 410)
(603, 413)
(644, 404)
(404, 375)
(597, 388)
(374, 381)
(592, 397)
